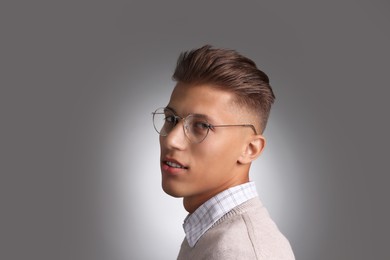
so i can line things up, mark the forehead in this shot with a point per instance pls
(201, 99)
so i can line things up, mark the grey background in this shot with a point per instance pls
(79, 158)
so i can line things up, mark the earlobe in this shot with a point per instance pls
(252, 150)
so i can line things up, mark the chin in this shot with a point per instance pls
(172, 191)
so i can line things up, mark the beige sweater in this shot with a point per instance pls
(246, 232)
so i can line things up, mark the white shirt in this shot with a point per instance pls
(204, 217)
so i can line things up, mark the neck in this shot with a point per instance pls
(191, 203)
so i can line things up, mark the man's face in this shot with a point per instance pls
(201, 170)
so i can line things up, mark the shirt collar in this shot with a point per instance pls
(197, 223)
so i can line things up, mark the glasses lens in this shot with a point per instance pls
(196, 128)
(164, 121)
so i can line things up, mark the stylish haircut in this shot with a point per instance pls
(228, 70)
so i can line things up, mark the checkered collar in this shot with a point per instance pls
(197, 223)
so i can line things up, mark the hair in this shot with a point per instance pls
(228, 70)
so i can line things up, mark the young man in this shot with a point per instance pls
(210, 132)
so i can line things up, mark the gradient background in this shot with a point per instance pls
(80, 176)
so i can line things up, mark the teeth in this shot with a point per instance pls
(174, 165)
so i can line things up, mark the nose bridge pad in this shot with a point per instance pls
(186, 128)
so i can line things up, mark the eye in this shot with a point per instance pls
(200, 127)
(171, 119)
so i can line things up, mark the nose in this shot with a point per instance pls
(176, 139)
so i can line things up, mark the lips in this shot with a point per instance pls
(174, 164)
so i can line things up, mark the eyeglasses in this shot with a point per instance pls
(195, 126)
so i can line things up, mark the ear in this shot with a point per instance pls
(252, 150)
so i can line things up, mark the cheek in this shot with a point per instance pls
(216, 154)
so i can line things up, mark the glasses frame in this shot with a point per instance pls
(185, 124)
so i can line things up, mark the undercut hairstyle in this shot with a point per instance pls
(230, 71)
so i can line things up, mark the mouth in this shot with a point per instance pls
(174, 164)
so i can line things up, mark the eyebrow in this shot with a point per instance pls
(195, 114)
